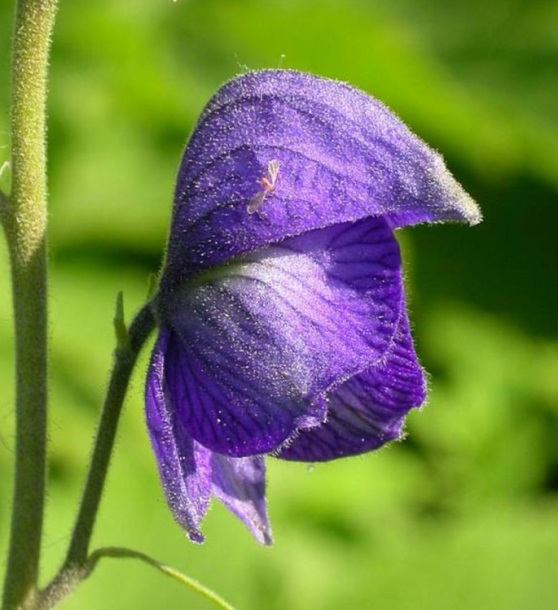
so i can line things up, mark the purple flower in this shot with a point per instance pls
(283, 326)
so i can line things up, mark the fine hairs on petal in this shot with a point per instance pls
(469, 210)
(281, 306)
(343, 157)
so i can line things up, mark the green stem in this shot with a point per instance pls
(3, 207)
(24, 218)
(66, 583)
(126, 355)
(78, 565)
(191, 583)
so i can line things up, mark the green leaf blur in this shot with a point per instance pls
(464, 513)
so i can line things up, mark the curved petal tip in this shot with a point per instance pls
(461, 206)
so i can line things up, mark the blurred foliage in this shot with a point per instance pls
(464, 513)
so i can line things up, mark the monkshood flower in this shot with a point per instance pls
(282, 321)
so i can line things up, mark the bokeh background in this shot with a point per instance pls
(464, 513)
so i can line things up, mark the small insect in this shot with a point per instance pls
(268, 184)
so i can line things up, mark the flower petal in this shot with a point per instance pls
(341, 156)
(221, 401)
(257, 347)
(366, 411)
(239, 483)
(184, 466)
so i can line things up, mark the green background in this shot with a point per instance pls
(464, 513)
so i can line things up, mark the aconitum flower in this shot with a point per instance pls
(282, 321)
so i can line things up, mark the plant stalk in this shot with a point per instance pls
(126, 353)
(24, 218)
(78, 564)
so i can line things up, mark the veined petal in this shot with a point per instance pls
(239, 483)
(367, 410)
(220, 399)
(255, 348)
(184, 466)
(341, 156)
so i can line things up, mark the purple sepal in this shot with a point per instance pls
(239, 483)
(367, 410)
(256, 348)
(190, 473)
(283, 326)
(341, 156)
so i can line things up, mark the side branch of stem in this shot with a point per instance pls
(125, 357)
(67, 581)
(78, 564)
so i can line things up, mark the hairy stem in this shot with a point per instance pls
(24, 218)
(78, 565)
(67, 581)
(126, 354)
(3, 207)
